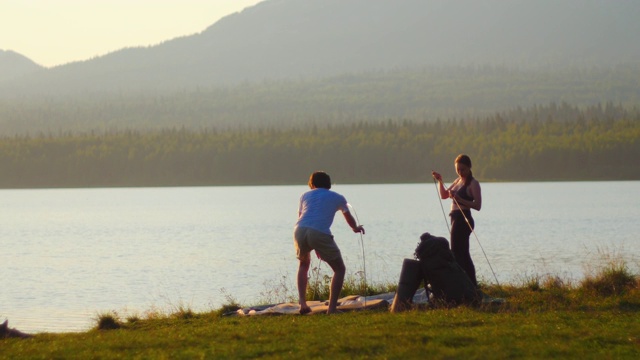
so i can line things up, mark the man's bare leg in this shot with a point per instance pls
(303, 273)
(336, 283)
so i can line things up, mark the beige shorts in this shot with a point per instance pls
(306, 239)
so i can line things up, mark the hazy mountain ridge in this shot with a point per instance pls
(296, 62)
(14, 65)
(292, 39)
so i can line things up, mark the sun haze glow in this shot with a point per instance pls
(55, 32)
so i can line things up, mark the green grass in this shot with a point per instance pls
(543, 317)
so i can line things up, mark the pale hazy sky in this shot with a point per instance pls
(55, 32)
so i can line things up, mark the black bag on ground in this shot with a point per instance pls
(448, 282)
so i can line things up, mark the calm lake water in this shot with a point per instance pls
(71, 254)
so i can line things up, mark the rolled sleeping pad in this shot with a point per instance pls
(410, 279)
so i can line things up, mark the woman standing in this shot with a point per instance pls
(466, 195)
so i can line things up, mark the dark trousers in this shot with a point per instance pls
(460, 233)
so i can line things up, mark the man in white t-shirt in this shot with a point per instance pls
(316, 211)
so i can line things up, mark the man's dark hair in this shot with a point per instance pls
(320, 179)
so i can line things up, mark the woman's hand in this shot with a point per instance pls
(358, 229)
(436, 176)
(452, 195)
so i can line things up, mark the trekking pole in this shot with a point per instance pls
(364, 263)
(441, 206)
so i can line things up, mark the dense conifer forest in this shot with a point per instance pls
(554, 142)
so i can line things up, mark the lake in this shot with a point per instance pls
(71, 254)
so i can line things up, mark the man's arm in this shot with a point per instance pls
(352, 222)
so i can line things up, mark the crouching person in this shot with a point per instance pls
(316, 210)
(448, 282)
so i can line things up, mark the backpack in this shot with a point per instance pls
(448, 283)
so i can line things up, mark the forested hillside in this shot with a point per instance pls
(285, 64)
(425, 94)
(555, 142)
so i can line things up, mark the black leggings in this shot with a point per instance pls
(460, 232)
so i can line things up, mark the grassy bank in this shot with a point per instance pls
(543, 317)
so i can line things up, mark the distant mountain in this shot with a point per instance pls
(299, 39)
(14, 65)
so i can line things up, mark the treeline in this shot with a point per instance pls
(417, 94)
(555, 142)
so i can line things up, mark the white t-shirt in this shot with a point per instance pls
(318, 207)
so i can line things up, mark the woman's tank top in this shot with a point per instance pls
(462, 193)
